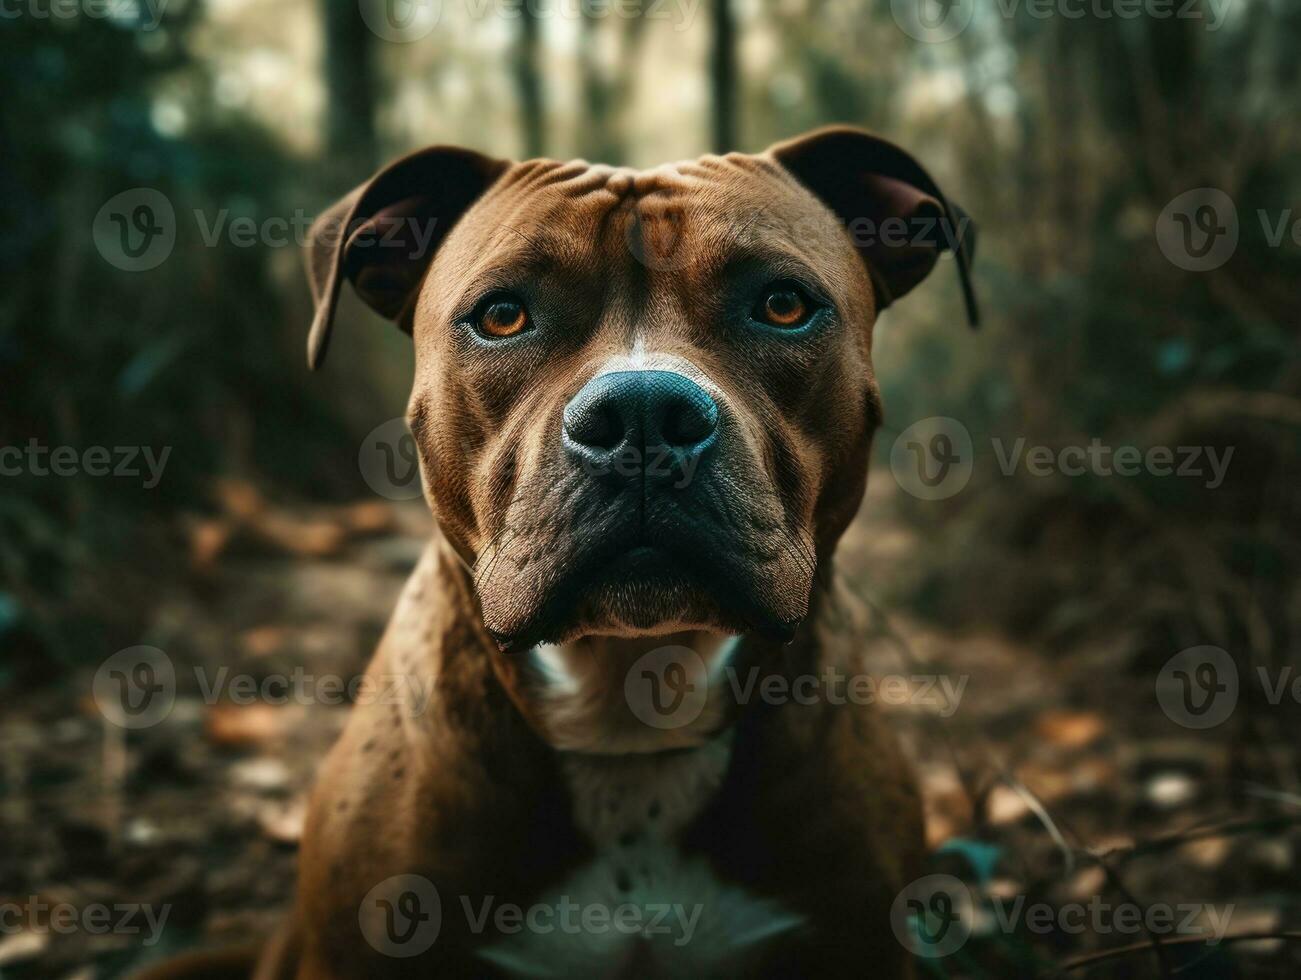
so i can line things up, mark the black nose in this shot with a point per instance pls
(656, 424)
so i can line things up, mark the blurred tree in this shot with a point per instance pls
(607, 94)
(1073, 136)
(197, 356)
(597, 138)
(528, 83)
(349, 90)
(723, 78)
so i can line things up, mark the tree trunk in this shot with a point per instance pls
(596, 138)
(528, 83)
(722, 74)
(350, 90)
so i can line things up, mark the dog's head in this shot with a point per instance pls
(643, 400)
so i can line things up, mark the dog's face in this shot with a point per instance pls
(643, 401)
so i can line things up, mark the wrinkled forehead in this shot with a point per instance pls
(683, 220)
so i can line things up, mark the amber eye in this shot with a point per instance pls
(783, 304)
(503, 316)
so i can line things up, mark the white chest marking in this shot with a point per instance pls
(653, 794)
(678, 919)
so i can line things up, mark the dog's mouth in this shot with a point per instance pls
(654, 576)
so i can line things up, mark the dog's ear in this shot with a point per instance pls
(383, 234)
(896, 215)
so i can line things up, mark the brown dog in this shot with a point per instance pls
(643, 406)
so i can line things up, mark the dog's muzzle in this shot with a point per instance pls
(656, 426)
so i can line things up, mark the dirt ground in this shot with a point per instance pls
(1043, 763)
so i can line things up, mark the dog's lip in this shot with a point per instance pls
(632, 551)
(644, 563)
(776, 632)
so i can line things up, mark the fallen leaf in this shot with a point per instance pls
(1209, 852)
(1070, 729)
(208, 539)
(235, 724)
(1005, 805)
(239, 498)
(311, 539)
(22, 946)
(1087, 882)
(283, 823)
(260, 774)
(1168, 790)
(261, 641)
(369, 517)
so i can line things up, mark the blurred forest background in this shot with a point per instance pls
(1066, 138)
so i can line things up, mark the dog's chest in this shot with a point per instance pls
(619, 800)
(643, 908)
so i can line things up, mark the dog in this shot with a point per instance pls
(643, 407)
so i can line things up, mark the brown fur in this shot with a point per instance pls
(818, 808)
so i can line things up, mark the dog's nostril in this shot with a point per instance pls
(642, 408)
(595, 424)
(688, 422)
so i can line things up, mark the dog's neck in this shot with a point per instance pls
(607, 695)
(612, 695)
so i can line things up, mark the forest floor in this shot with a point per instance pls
(1052, 782)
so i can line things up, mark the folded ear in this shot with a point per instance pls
(896, 215)
(383, 234)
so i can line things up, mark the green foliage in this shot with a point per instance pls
(196, 354)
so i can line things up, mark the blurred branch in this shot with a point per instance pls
(1225, 828)
(1090, 959)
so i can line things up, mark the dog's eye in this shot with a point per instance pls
(783, 304)
(501, 316)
